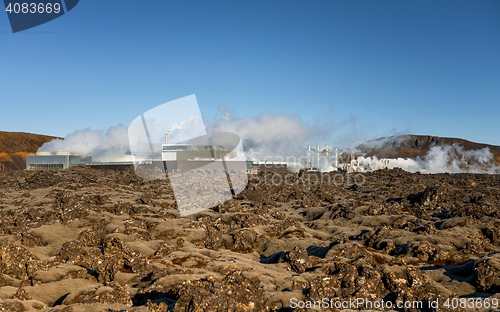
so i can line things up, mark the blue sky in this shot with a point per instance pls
(378, 67)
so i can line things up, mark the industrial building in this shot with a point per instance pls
(55, 161)
(182, 152)
(198, 155)
(181, 161)
(204, 154)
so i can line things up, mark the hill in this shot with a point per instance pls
(14, 146)
(411, 146)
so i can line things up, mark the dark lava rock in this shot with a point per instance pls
(89, 238)
(298, 259)
(493, 234)
(322, 287)
(118, 257)
(432, 196)
(71, 205)
(17, 262)
(487, 273)
(109, 293)
(41, 179)
(163, 250)
(232, 293)
(76, 253)
(21, 294)
(245, 240)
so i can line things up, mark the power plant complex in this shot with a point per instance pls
(201, 156)
(175, 157)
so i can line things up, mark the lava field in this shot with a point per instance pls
(91, 240)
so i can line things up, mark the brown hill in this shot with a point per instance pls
(14, 146)
(411, 146)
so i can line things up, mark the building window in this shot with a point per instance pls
(46, 167)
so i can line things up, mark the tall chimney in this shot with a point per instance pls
(309, 162)
(317, 155)
(167, 137)
(336, 158)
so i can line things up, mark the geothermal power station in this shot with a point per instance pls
(175, 157)
(207, 156)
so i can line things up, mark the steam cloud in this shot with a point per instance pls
(267, 135)
(190, 120)
(276, 137)
(450, 158)
(109, 145)
(262, 136)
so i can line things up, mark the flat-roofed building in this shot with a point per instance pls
(55, 161)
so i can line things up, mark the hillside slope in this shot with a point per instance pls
(411, 146)
(14, 146)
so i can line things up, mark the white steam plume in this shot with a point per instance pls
(450, 158)
(189, 128)
(278, 137)
(262, 136)
(267, 135)
(106, 145)
(190, 120)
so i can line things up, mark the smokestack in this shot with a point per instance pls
(309, 162)
(167, 137)
(336, 157)
(318, 147)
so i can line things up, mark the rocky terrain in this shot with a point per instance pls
(90, 240)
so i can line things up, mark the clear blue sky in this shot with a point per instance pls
(425, 67)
